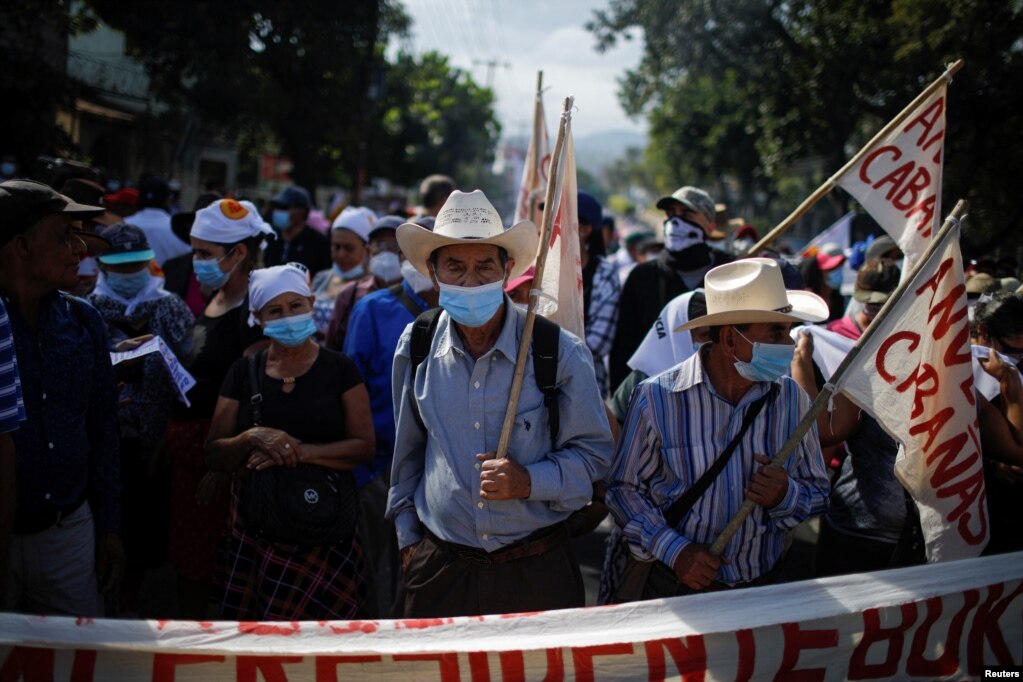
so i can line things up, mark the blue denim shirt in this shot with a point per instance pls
(68, 447)
(374, 328)
(435, 478)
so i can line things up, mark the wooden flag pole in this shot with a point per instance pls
(830, 183)
(547, 225)
(804, 425)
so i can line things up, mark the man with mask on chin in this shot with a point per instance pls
(478, 534)
(730, 405)
(679, 268)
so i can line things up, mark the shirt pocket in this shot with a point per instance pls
(530, 440)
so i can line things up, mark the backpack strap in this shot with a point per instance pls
(422, 336)
(398, 291)
(546, 335)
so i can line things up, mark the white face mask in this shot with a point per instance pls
(386, 265)
(417, 281)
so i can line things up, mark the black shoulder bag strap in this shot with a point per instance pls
(256, 388)
(398, 291)
(546, 335)
(677, 511)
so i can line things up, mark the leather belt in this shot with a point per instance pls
(539, 542)
(38, 521)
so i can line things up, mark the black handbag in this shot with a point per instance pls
(307, 505)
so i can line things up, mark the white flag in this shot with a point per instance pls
(898, 180)
(563, 273)
(915, 376)
(839, 233)
(534, 172)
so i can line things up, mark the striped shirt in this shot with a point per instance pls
(676, 427)
(12, 406)
(602, 318)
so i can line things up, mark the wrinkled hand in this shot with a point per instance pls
(110, 560)
(803, 355)
(210, 486)
(278, 446)
(994, 365)
(696, 567)
(769, 485)
(502, 479)
(1009, 473)
(407, 553)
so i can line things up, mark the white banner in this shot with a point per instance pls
(915, 377)
(534, 172)
(899, 180)
(183, 380)
(563, 273)
(944, 621)
(839, 234)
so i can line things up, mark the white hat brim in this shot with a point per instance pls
(806, 307)
(520, 241)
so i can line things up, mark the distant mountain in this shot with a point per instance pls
(596, 151)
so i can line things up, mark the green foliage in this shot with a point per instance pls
(740, 94)
(302, 70)
(432, 118)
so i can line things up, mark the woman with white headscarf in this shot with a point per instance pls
(291, 423)
(226, 239)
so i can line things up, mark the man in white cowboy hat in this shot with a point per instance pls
(681, 421)
(479, 534)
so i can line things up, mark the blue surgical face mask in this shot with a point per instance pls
(834, 279)
(472, 306)
(127, 285)
(281, 218)
(770, 361)
(208, 271)
(354, 273)
(290, 331)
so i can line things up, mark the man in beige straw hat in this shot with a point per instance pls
(480, 534)
(731, 405)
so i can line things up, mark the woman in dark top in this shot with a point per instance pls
(314, 410)
(226, 237)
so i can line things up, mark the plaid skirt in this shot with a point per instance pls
(260, 580)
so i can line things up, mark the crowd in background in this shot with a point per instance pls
(289, 321)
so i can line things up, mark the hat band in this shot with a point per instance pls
(786, 309)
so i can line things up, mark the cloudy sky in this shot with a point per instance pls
(525, 36)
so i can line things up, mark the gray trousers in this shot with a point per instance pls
(54, 571)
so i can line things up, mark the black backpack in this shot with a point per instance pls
(545, 358)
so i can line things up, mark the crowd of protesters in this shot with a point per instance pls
(337, 455)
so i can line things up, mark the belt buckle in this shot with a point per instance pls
(476, 557)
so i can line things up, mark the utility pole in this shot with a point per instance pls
(491, 65)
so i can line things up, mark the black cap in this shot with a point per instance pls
(292, 197)
(128, 244)
(181, 223)
(154, 192)
(23, 203)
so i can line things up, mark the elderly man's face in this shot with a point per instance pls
(470, 265)
(760, 332)
(51, 251)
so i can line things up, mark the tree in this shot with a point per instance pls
(302, 70)
(748, 88)
(432, 118)
(33, 79)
